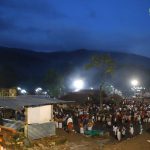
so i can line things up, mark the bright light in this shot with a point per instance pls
(78, 84)
(18, 88)
(45, 93)
(134, 82)
(23, 91)
(38, 89)
(91, 88)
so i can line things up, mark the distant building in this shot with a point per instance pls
(4, 92)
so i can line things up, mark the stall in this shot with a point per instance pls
(31, 114)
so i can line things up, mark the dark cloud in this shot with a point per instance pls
(56, 25)
(37, 7)
(70, 38)
(26, 20)
(6, 24)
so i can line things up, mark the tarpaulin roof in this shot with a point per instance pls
(27, 101)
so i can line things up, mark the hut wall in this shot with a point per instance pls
(41, 114)
(37, 131)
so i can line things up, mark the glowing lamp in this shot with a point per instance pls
(78, 84)
(134, 82)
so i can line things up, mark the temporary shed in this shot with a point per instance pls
(38, 113)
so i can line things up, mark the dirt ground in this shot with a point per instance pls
(140, 142)
(69, 141)
(77, 141)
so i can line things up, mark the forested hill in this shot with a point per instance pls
(25, 67)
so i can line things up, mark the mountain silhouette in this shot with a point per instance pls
(27, 68)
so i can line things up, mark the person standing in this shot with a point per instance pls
(81, 128)
(118, 135)
(123, 131)
(90, 125)
(70, 124)
(131, 130)
(141, 129)
(115, 130)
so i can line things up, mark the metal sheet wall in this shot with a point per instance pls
(37, 131)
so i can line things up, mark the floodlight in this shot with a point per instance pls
(134, 82)
(78, 84)
(23, 91)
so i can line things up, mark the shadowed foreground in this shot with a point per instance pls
(140, 142)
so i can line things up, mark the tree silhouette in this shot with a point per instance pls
(105, 65)
(54, 82)
(8, 77)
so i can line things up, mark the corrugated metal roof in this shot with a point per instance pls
(27, 100)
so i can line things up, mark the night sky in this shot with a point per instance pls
(52, 25)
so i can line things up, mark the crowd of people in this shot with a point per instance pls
(122, 121)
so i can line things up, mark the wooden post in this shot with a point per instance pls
(52, 116)
(1, 142)
(101, 98)
(26, 122)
